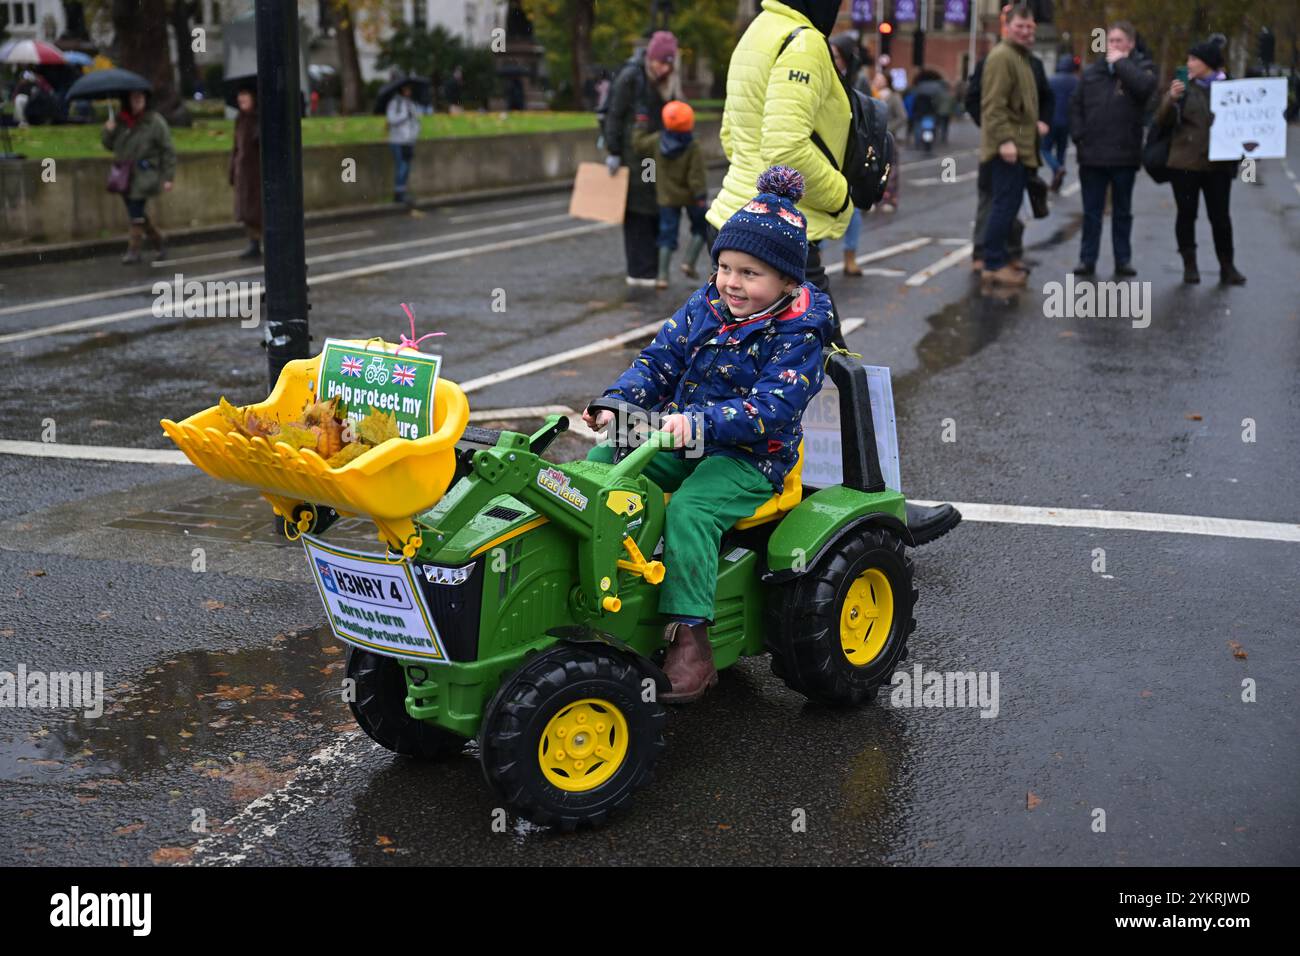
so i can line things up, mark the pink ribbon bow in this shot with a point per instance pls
(410, 341)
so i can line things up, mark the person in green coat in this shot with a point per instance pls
(680, 181)
(140, 136)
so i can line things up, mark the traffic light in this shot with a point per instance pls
(886, 35)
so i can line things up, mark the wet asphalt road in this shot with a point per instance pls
(1119, 690)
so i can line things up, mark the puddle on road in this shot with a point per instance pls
(205, 711)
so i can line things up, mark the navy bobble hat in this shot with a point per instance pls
(769, 227)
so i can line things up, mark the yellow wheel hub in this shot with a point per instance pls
(583, 745)
(866, 617)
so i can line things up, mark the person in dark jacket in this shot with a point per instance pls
(681, 182)
(642, 87)
(1064, 82)
(1107, 114)
(246, 171)
(1186, 108)
(139, 136)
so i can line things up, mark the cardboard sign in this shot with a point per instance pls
(823, 463)
(402, 383)
(373, 604)
(598, 195)
(1248, 121)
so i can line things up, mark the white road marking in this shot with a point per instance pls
(522, 411)
(947, 262)
(512, 211)
(324, 772)
(954, 242)
(42, 449)
(932, 181)
(1297, 187)
(78, 324)
(1070, 190)
(971, 511)
(257, 270)
(1287, 170)
(559, 358)
(937, 159)
(885, 253)
(851, 325)
(319, 241)
(1127, 521)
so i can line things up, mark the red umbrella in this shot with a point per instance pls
(30, 52)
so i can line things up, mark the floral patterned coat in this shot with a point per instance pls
(747, 381)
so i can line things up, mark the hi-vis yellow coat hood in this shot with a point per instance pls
(772, 108)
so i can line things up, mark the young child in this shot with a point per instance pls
(680, 180)
(733, 369)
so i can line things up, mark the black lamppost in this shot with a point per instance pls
(280, 107)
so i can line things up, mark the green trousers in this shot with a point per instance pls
(709, 495)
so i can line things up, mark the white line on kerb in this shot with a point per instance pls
(947, 262)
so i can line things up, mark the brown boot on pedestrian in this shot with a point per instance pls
(977, 265)
(1007, 275)
(851, 264)
(133, 240)
(689, 664)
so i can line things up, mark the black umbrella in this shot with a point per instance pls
(232, 85)
(390, 89)
(105, 84)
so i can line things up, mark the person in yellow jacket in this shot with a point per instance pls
(776, 100)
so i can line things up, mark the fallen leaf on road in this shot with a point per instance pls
(103, 615)
(36, 574)
(1067, 334)
(1032, 800)
(171, 855)
(213, 605)
(1145, 693)
(6, 632)
(129, 828)
(1238, 651)
(226, 692)
(1192, 417)
(382, 840)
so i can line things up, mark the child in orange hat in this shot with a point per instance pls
(680, 182)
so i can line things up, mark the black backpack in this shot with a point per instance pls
(870, 150)
(973, 93)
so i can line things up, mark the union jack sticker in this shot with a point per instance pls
(404, 374)
(352, 366)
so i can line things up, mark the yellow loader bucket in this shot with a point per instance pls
(391, 483)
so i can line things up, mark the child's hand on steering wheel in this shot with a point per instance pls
(599, 421)
(679, 426)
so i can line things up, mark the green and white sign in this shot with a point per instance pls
(401, 384)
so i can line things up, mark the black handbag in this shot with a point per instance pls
(1037, 190)
(1155, 152)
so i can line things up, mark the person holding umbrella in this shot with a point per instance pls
(141, 143)
(403, 120)
(246, 169)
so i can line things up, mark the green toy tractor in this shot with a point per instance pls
(542, 583)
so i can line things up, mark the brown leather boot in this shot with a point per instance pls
(1007, 275)
(155, 240)
(851, 264)
(689, 664)
(134, 237)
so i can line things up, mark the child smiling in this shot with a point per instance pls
(732, 370)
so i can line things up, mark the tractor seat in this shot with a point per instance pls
(790, 495)
(773, 508)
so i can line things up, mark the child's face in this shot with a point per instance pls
(749, 285)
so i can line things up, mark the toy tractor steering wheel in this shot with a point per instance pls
(628, 418)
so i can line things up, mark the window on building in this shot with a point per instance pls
(31, 14)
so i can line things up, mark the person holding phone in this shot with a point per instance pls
(1186, 108)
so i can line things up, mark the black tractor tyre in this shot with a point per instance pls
(528, 706)
(380, 709)
(803, 621)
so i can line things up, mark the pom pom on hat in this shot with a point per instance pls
(781, 181)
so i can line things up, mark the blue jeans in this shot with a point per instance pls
(670, 218)
(851, 233)
(402, 153)
(1054, 146)
(1093, 181)
(1008, 192)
